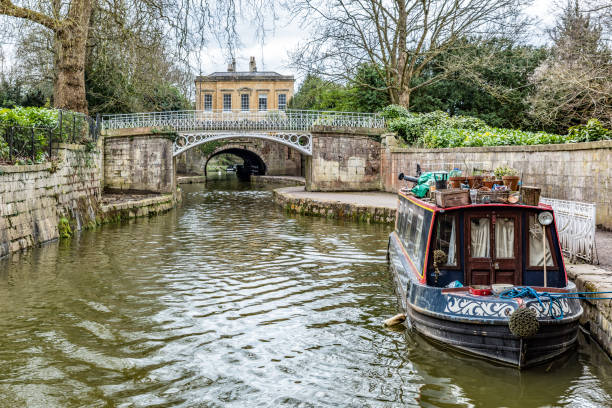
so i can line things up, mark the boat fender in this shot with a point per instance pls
(397, 319)
(524, 322)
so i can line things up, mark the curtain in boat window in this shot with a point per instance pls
(504, 238)
(480, 238)
(536, 251)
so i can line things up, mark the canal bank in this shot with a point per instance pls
(43, 202)
(367, 206)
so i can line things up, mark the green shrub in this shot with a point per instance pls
(590, 132)
(488, 136)
(393, 112)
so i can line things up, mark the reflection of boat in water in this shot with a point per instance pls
(476, 246)
(454, 379)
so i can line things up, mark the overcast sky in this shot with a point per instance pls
(284, 37)
(273, 55)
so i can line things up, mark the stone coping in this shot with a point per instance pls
(602, 144)
(279, 179)
(136, 202)
(142, 131)
(190, 179)
(597, 317)
(348, 131)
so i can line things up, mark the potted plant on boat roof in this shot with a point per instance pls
(489, 180)
(455, 178)
(475, 178)
(509, 176)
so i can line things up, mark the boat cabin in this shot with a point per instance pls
(479, 244)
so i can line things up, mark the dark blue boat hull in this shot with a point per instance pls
(478, 325)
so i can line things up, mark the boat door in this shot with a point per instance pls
(493, 250)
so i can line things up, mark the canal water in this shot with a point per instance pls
(229, 302)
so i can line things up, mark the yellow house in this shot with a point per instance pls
(248, 91)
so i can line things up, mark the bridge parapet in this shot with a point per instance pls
(270, 121)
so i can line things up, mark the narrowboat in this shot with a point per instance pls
(444, 261)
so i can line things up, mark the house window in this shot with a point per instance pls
(244, 102)
(263, 102)
(227, 102)
(282, 101)
(207, 102)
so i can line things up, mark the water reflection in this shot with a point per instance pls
(227, 301)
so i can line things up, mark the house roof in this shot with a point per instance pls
(263, 75)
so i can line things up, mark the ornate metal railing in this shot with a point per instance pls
(289, 120)
(576, 227)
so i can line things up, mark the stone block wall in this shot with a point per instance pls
(33, 198)
(344, 159)
(578, 171)
(139, 160)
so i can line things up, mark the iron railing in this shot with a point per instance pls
(278, 120)
(33, 144)
(576, 228)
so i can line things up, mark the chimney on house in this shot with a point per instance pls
(252, 65)
(231, 67)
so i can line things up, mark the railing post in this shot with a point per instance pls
(61, 121)
(50, 141)
(10, 143)
(73, 128)
(33, 147)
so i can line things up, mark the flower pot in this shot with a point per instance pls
(455, 182)
(475, 181)
(488, 183)
(511, 182)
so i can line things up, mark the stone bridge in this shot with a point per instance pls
(339, 150)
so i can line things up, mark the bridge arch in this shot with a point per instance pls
(251, 156)
(302, 142)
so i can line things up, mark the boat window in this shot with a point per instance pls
(401, 218)
(536, 250)
(415, 239)
(446, 237)
(504, 237)
(408, 230)
(480, 231)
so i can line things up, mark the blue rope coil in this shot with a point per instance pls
(552, 298)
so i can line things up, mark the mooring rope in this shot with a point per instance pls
(553, 298)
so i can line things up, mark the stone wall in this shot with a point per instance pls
(139, 160)
(344, 159)
(579, 171)
(33, 198)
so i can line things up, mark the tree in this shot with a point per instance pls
(185, 23)
(494, 89)
(400, 38)
(573, 85)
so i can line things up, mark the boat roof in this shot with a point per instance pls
(432, 206)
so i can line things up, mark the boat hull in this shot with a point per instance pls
(479, 325)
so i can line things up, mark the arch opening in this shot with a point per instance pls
(252, 162)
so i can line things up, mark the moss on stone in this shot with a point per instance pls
(64, 229)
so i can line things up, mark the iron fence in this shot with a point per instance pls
(576, 228)
(34, 144)
(230, 120)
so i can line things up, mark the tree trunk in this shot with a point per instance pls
(71, 48)
(404, 98)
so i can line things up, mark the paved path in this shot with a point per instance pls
(364, 198)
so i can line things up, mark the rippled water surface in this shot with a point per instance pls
(227, 301)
